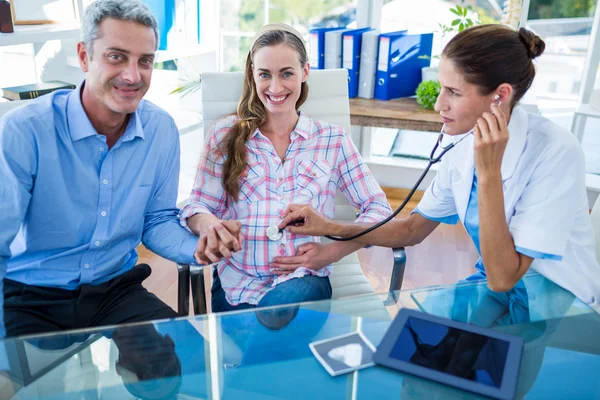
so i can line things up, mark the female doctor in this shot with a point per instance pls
(516, 183)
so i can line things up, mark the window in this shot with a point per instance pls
(565, 26)
(241, 19)
(422, 16)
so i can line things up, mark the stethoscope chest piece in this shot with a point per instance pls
(273, 233)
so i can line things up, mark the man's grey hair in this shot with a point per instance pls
(124, 10)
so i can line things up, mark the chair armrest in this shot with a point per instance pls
(397, 275)
(198, 288)
(183, 289)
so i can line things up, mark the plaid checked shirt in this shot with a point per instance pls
(320, 159)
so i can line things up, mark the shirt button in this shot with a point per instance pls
(103, 213)
(282, 245)
(87, 265)
(105, 181)
(97, 243)
(314, 174)
(101, 149)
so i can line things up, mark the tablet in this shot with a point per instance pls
(468, 357)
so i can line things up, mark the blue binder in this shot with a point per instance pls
(399, 66)
(316, 47)
(351, 48)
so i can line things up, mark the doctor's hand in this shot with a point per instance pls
(491, 136)
(309, 255)
(312, 222)
(219, 241)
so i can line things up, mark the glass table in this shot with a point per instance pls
(264, 354)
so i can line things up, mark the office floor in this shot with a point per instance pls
(445, 257)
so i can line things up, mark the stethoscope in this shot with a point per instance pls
(274, 233)
(432, 160)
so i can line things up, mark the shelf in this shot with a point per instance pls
(39, 34)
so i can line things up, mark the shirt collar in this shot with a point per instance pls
(80, 126)
(517, 134)
(303, 126)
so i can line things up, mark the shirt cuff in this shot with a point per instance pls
(539, 240)
(537, 254)
(188, 247)
(450, 220)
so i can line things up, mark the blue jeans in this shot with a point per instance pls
(297, 290)
(252, 331)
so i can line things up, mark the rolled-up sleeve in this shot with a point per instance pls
(544, 215)
(437, 203)
(359, 186)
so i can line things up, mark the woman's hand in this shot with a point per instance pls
(218, 242)
(310, 221)
(308, 255)
(491, 136)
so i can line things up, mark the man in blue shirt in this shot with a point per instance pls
(85, 176)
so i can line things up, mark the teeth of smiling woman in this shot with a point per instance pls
(281, 98)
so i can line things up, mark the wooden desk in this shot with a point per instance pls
(402, 113)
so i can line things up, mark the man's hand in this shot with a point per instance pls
(314, 223)
(218, 242)
(309, 255)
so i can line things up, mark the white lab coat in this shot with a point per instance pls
(545, 200)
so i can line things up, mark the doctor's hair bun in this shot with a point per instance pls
(533, 43)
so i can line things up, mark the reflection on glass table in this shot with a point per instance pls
(265, 353)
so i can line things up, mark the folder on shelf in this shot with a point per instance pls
(368, 64)
(333, 48)
(401, 58)
(316, 47)
(351, 52)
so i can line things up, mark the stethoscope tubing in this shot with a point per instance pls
(432, 160)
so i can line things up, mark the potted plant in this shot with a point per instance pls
(427, 93)
(462, 21)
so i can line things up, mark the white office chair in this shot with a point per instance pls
(327, 101)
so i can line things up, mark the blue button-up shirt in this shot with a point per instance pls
(72, 211)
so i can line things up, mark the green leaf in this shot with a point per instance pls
(456, 22)
(461, 27)
(457, 11)
(187, 88)
(427, 93)
(464, 13)
(469, 22)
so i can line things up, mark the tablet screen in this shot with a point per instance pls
(452, 351)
